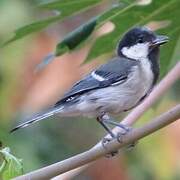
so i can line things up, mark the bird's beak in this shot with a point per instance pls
(160, 40)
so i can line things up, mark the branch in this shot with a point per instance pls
(99, 151)
(132, 117)
(136, 134)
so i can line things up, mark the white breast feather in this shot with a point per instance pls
(115, 99)
(138, 51)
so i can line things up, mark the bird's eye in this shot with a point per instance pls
(140, 40)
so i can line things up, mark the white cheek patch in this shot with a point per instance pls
(137, 51)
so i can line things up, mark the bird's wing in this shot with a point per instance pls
(113, 73)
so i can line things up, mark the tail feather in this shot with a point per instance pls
(37, 118)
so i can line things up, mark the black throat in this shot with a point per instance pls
(154, 59)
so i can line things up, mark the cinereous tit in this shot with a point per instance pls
(114, 87)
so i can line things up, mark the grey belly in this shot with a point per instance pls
(113, 100)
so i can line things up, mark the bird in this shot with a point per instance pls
(115, 87)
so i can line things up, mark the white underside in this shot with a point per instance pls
(138, 51)
(114, 99)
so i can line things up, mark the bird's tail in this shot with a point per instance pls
(38, 117)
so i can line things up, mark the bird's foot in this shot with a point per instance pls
(119, 138)
(105, 141)
(124, 130)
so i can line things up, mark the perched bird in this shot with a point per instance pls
(117, 86)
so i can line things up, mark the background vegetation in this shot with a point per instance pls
(25, 91)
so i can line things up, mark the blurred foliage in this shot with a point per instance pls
(155, 157)
(63, 8)
(11, 166)
(129, 12)
(72, 40)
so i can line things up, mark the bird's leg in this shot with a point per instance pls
(106, 140)
(107, 128)
(106, 119)
(126, 129)
(122, 126)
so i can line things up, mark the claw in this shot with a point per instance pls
(105, 141)
(120, 138)
(104, 120)
(120, 135)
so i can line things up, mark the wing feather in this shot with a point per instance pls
(113, 73)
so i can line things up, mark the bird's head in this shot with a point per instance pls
(139, 42)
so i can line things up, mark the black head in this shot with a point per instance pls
(139, 42)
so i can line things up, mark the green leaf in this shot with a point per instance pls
(73, 39)
(79, 35)
(134, 15)
(63, 8)
(76, 37)
(124, 17)
(70, 42)
(11, 166)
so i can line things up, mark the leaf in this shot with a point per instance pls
(31, 28)
(80, 34)
(128, 14)
(134, 15)
(63, 8)
(11, 166)
(76, 37)
(72, 40)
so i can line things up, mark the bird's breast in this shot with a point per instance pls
(115, 99)
(118, 98)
